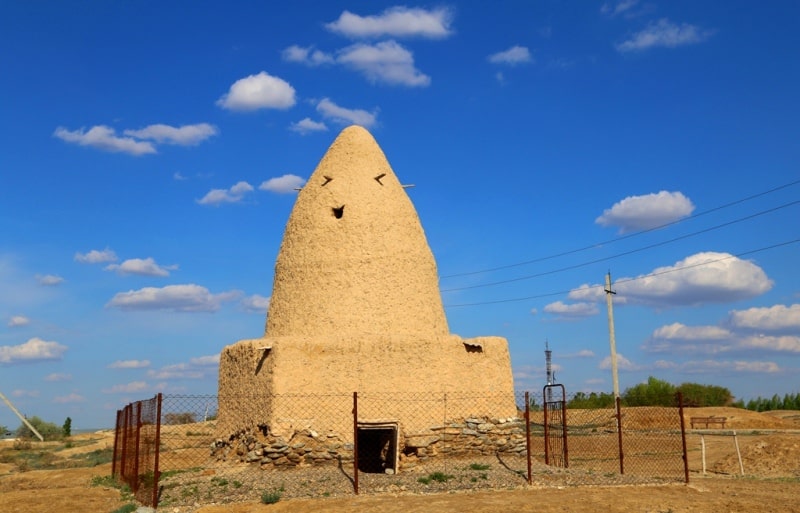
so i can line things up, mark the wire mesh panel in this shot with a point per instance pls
(307, 452)
(307, 445)
(555, 426)
(652, 441)
(136, 448)
(428, 442)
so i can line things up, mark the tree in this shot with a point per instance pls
(66, 429)
(655, 392)
(48, 430)
(696, 395)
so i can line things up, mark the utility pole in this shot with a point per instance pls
(21, 417)
(612, 339)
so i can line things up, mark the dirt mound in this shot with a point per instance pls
(792, 416)
(765, 456)
(739, 418)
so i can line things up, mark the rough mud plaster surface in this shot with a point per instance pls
(396, 377)
(369, 271)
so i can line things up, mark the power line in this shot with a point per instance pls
(624, 237)
(625, 253)
(626, 280)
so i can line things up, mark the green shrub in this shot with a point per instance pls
(271, 496)
(439, 477)
(48, 430)
(127, 508)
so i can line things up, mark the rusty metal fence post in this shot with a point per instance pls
(683, 438)
(528, 435)
(117, 441)
(619, 436)
(137, 445)
(156, 471)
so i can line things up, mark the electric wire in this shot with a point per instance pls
(625, 253)
(626, 280)
(624, 237)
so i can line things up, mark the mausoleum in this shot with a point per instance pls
(356, 307)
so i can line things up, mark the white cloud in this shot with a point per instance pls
(665, 34)
(621, 7)
(205, 361)
(678, 331)
(17, 321)
(49, 280)
(176, 298)
(583, 353)
(34, 349)
(141, 267)
(233, 195)
(716, 366)
(395, 22)
(58, 376)
(707, 277)
(177, 176)
(262, 91)
(256, 304)
(307, 126)
(105, 138)
(24, 393)
(774, 318)
(129, 364)
(645, 212)
(70, 398)
(177, 371)
(345, 116)
(679, 338)
(186, 135)
(134, 386)
(283, 184)
(784, 344)
(623, 364)
(573, 311)
(514, 55)
(384, 62)
(96, 257)
(306, 55)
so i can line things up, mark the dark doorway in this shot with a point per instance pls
(377, 448)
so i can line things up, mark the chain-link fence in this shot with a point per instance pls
(408, 442)
(136, 453)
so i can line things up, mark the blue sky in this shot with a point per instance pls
(150, 152)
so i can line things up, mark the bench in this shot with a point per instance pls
(706, 421)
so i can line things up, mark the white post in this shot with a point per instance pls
(738, 453)
(612, 339)
(21, 417)
(703, 451)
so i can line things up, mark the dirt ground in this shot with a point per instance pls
(769, 445)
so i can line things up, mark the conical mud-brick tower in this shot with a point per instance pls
(354, 259)
(356, 307)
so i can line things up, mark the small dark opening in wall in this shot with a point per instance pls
(473, 348)
(377, 449)
(338, 212)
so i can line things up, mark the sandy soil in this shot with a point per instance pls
(703, 496)
(769, 444)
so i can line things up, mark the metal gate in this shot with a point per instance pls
(555, 426)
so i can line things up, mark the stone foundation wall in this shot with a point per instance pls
(463, 437)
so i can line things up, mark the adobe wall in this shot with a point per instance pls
(304, 382)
